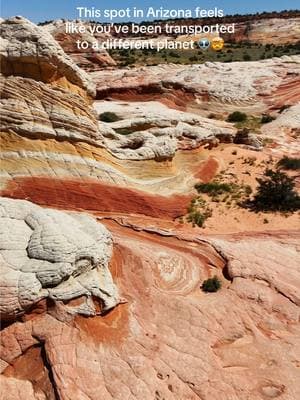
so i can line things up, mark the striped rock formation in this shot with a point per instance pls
(163, 337)
(31, 52)
(254, 87)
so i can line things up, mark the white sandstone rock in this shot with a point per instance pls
(48, 253)
(30, 51)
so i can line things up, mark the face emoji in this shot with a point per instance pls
(204, 43)
(217, 44)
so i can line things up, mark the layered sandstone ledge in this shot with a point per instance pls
(31, 52)
(256, 86)
(110, 306)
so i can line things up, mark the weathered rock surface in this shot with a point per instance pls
(49, 254)
(284, 131)
(167, 339)
(171, 340)
(251, 86)
(89, 60)
(244, 136)
(29, 51)
(274, 30)
(151, 130)
(34, 109)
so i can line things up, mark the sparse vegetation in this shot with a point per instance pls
(266, 118)
(289, 163)
(124, 131)
(237, 116)
(250, 161)
(247, 57)
(230, 193)
(198, 212)
(211, 285)
(232, 52)
(108, 116)
(275, 192)
(214, 188)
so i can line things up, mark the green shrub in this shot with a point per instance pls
(211, 285)
(266, 118)
(237, 116)
(247, 57)
(198, 211)
(289, 163)
(276, 192)
(198, 218)
(174, 54)
(124, 131)
(108, 116)
(214, 188)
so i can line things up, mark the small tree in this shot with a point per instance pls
(276, 192)
(211, 285)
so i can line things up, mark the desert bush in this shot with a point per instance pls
(237, 116)
(198, 212)
(193, 59)
(289, 163)
(266, 118)
(108, 116)
(198, 217)
(211, 285)
(174, 54)
(214, 188)
(275, 192)
(247, 57)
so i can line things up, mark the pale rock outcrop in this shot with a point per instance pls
(275, 30)
(285, 131)
(250, 139)
(50, 254)
(89, 59)
(151, 130)
(253, 86)
(37, 110)
(171, 340)
(30, 51)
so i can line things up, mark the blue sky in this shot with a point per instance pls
(38, 10)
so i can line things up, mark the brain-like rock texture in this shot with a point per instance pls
(29, 51)
(170, 340)
(151, 130)
(50, 254)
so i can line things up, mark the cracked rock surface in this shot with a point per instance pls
(50, 254)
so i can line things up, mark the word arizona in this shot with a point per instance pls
(183, 13)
